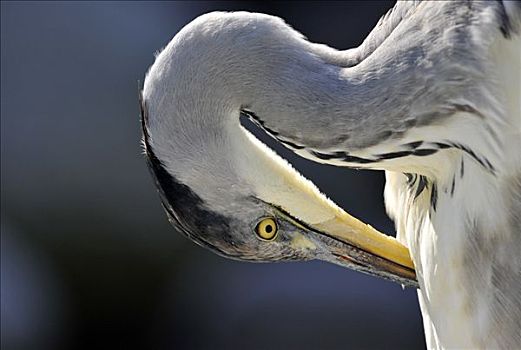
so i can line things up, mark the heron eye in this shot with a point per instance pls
(266, 229)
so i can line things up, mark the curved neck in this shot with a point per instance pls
(258, 63)
(204, 78)
(304, 94)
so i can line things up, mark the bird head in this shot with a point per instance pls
(226, 190)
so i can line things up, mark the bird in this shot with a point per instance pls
(432, 97)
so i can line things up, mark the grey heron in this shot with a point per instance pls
(432, 96)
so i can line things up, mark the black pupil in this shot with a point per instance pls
(269, 228)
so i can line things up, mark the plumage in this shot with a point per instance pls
(432, 97)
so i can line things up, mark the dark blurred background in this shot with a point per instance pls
(88, 259)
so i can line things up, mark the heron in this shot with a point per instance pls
(431, 96)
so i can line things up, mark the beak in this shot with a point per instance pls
(353, 244)
(348, 242)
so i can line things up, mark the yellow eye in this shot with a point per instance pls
(267, 229)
